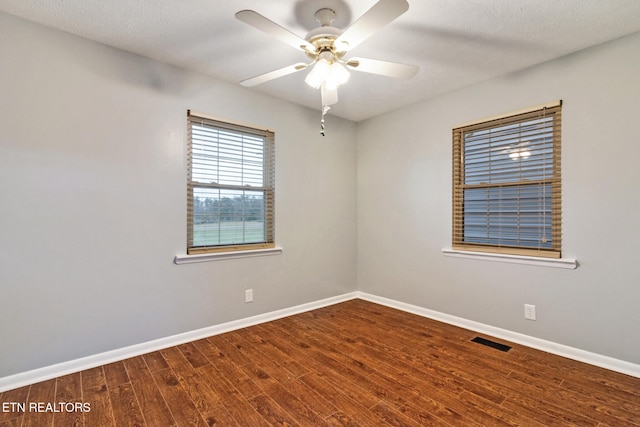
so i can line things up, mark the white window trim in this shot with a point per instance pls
(566, 263)
(219, 256)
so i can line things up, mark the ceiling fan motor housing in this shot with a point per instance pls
(324, 36)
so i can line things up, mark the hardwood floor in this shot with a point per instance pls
(354, 363)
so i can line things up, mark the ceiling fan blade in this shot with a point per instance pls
(263, 24)
(383, 68)
(373, 20)
(281, 72)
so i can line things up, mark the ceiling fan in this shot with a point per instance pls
(326, 47)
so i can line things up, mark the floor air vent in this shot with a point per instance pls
(492, 344)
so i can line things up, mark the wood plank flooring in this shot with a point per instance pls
(354, 363)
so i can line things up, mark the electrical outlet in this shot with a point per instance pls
(530, 311)
(248, 295)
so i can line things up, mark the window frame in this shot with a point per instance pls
(460, 240)
(267, 188)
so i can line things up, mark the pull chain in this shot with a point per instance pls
(325, 108)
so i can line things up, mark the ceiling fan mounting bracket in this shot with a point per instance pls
(325, 16)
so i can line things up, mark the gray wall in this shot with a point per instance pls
(93, 202)
(404, 206)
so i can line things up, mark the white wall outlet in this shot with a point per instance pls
(530, 311)
(248, 295)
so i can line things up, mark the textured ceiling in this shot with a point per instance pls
(455, 43)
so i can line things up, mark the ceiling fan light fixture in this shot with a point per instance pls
(327, 74)
(318, 74)
(337, 75)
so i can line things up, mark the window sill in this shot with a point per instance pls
(219, 256)
(566, 263)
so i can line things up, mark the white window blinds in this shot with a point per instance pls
(231, 177)
(506, 184)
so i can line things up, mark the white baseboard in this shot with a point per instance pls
(77, 365)
(54, 371)
(537, 343)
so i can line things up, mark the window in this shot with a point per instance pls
(230, 203)
(506, 184)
